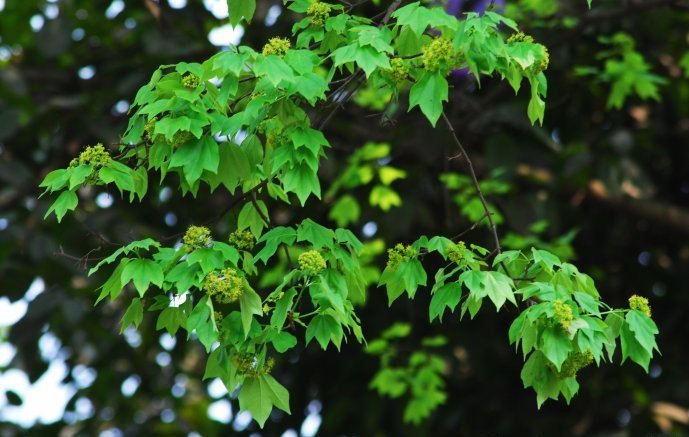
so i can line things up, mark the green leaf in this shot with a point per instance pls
(302, 180)
(429, 93)
(447, 296)
(284, 341)
(239, 9)
(324, 328)
(319, 236)
(259, 394)
(545, 259)
(201, 321)
(273, 239)
(79, 174)
(134, 314)
(632, 348)
(412, 274)
(384, 197)
(250, 305)
(113, 286)
(250, 218)
(171, 319)
(588, 303)
(143, 272)
(644, 329)
(556, 345)
(282, 306)
(274, 68)
(66, 201)
(499, 288)
(196, 156)
(345, 211)
(55, 180)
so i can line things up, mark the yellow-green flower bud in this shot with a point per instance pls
(276, 46)
(563, 313)
(318, 13)
(439, 54)
(248, 364)
(312, 261)
(640, 303)
(180, 137)
(573, 364)
(96, 156)
(455, 252)
(242, 240)
(520, 37)
(542, 64)
(399, 254)
(190, 81)
(149, 129)
(197, 237)
(225, 286)
(399, 70)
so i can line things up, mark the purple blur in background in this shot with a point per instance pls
(457, 7)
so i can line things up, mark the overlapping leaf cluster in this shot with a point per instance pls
(241, 120)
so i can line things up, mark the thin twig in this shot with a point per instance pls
(477, 186)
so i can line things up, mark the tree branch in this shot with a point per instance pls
(477, 186)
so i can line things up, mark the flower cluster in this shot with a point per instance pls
(542, 64)
(574, 363)
(96, 156)
(242, 240)
(226, 286)
(520, 37)
(180, 137)
(248, 364)
(400, 71)
(439, 54)
(455, 252)
(190, 81)
(640, 303)
(318, 13)
(563, 313)
(312, 261)
(400, 253)
(197, 237)
(276, 46)
(217, 316)
(149, 129)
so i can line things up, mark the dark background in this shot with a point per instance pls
(618, 177)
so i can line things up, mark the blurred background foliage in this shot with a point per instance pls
(604, 182)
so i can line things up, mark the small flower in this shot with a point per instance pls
(276, 46)
(640, 303)
(439, 54)
(190, 81)
(399, 70)
(563, 313)
(318, 13)
(180, 137)
(242, 240)
(312, 261)
(197, 237)
(574, 363)
(520, 37)
(399, 254)
(542, 64)
(248, 364)
(149, 129)
(226, 286)
(96, 156)
(455, 252)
